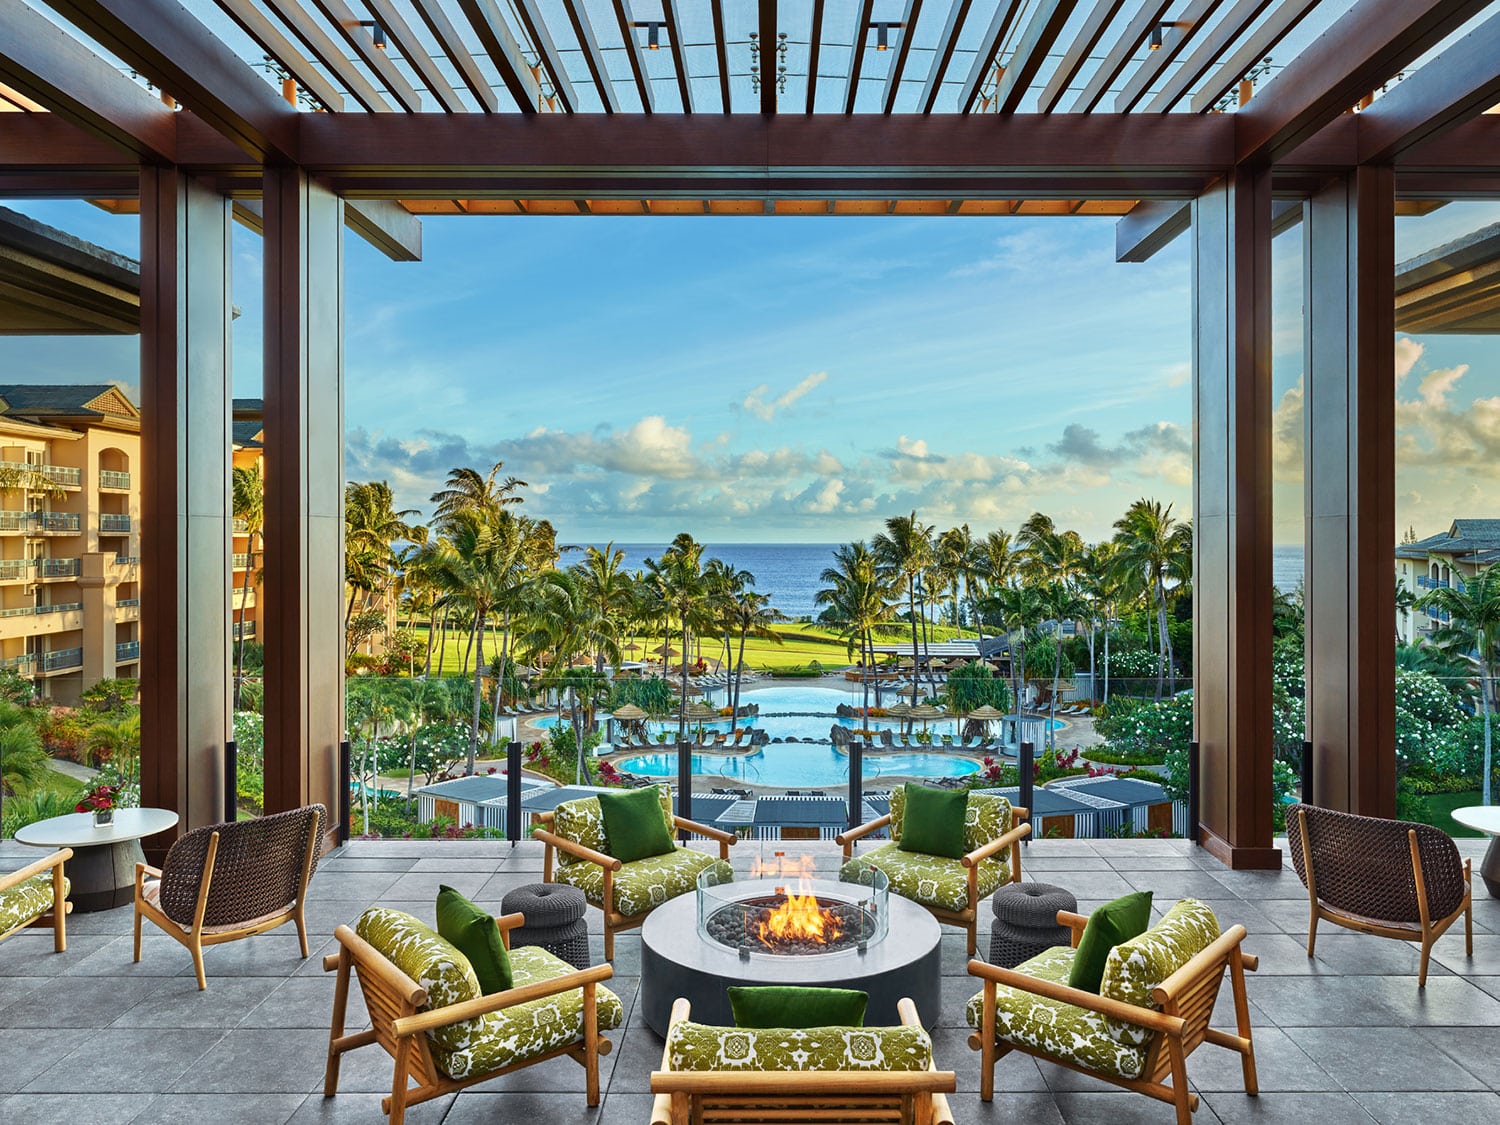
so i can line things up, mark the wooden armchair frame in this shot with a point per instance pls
(1187, 1000)
(196, 936)
(614, 922)
(394, 1001)
(57, 917)
(968, 918)
(913, 1097)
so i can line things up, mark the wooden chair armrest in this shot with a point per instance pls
(1074, 922)
(371, 960)
(577, 850)
(844, 839)
(760, 1083)
(998, 844)
(693, 826)
(472, 1009)
(1018, 813)
(1117, 1009)
(31, 870)
(1206, 960)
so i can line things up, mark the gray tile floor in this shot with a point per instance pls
(1346, 1037)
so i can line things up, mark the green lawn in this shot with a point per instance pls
(1440, 807)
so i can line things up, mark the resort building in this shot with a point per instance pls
(1449, 558)
(69, 535)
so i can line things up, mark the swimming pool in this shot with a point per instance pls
(799, 764)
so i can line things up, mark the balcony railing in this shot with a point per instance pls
(241, 561)
(241, 527)
(40, 610)
(11, 569)
(112, 478)
(127, 650)
(128, 603)
(25, 660)
(244, 629)
(59, 568)
(57, 521)
(1428, 583)
(109, 521)
(127, 560)
(58, 474)
(63, 658)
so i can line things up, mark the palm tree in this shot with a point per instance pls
(117, 742)
(23, 760)
(1475, 625)
(1100, 586)
(610, 589)
(723, 583)
(372, 526)
(905, 552)
(856, 602)
(467, 490)
(751, 615)
(1019, 610)
(247, 497)
(680, 575)
(1154, 549)
(1062, 604)
(961, 560)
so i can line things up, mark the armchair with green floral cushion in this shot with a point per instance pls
(950, 888)
(578, 853)
(844, 1074)
(37, 895)
(1153, 1008)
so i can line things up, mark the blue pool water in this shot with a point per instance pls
(799, 764)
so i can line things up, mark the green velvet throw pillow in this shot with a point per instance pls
(633, 824)
(787, 1005)
(933, 823)
(474, 934)
(1114, 922)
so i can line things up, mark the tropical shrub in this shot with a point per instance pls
(973, 686)
(652, 695)
(1139, 731)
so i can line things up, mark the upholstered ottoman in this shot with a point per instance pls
(554, 920)
(1026, 922)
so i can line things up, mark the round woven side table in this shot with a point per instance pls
(1026, 922)
(554, 920)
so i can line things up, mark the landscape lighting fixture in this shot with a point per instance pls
(882, 34)
(377, 33)
(1155, 43)
(653, 33)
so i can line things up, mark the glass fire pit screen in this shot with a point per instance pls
(782, 911)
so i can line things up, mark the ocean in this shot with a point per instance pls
(789, 571)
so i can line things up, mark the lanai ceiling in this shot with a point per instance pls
(703, 59)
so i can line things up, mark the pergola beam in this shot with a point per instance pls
(679, 56)
(721, 54)
(1459, 84)
(903, 50)
(589, 43)
(452, 46)
(1094, 26)
(857, 54)
(1048, 19)
(256, 24)
(943, 55)
(1119, 56)
(1150, 226)
(765, 22)
(406, 41)
(380, 64)
(814, 49)
(501, 46)
(626, 19)
(1211, 46)
(1364, 48)
(1276, 27)
(328, 53)
(546, 49)
(1174, 40)
(989, 48)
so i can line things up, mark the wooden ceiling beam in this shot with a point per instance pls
(1459, 84)
(589, 44)
(385, 224)
(765, 24)
(500, 44)
(536, 29)
(943, 55)
(857, 54)
(452, 45)
(989, 48)
(1047, 21)
(626, 18)
(1364, 48)
(405, 40)
(721, 52)
(254, 23)
(1263, 40)
(1211, 47)
(161, 40)
(1150, 226)
(347, 24)
(329, 54)
(909, 18)
(1175, 38)
(814, 50)
(1093, 29)
(1147, 17)
(679, 56)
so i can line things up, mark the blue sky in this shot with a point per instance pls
(801, 379)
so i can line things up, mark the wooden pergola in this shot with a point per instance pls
(304, 117)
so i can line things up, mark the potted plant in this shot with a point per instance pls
(101, 802)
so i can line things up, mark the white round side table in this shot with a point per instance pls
(102, 870)
(1486, 819)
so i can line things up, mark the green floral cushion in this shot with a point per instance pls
(898, 811)
(1063, 1031)
(528, 1030)
(1137, 966)
(928, 879)
(987, 817)
(582, 822)
(644, 884)
(435, 964)
(27, 901)
(697, 1046)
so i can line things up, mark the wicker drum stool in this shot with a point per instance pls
(554, 920)
(1026, 922)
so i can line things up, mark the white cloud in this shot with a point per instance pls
(755, 402)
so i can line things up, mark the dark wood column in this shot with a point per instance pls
(185, 390)
(1232, 515)
(301, 613)
(1350, 423)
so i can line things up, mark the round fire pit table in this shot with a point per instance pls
(102, 870)
(679, 959)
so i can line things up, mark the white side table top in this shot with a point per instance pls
(76, 830)
(1481, 818)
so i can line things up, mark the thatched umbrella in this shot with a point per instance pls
(630, 713)
(926, 713)
(986, 714)
(698, 711)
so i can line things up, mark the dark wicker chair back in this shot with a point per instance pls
(258, 870)
(1363, 864)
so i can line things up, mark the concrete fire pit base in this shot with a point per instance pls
(677, 961)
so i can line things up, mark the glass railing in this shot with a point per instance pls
(241, 561)
(63, 658)
(11, 569)
(128, 603)
(127, 650)
(110, 478)
(61, 607)
(241, 527)
(242, 629)
(1428, 583)
(126, 560)
(59, 568)
(25, 660)
(57, 521)
(58, 474)
(15, 521)
(109, 521)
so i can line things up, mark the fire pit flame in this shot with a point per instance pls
(801, 918)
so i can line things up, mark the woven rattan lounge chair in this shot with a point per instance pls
(1390, 878)
(37, 895)
(781, 1075)
(224, 882)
